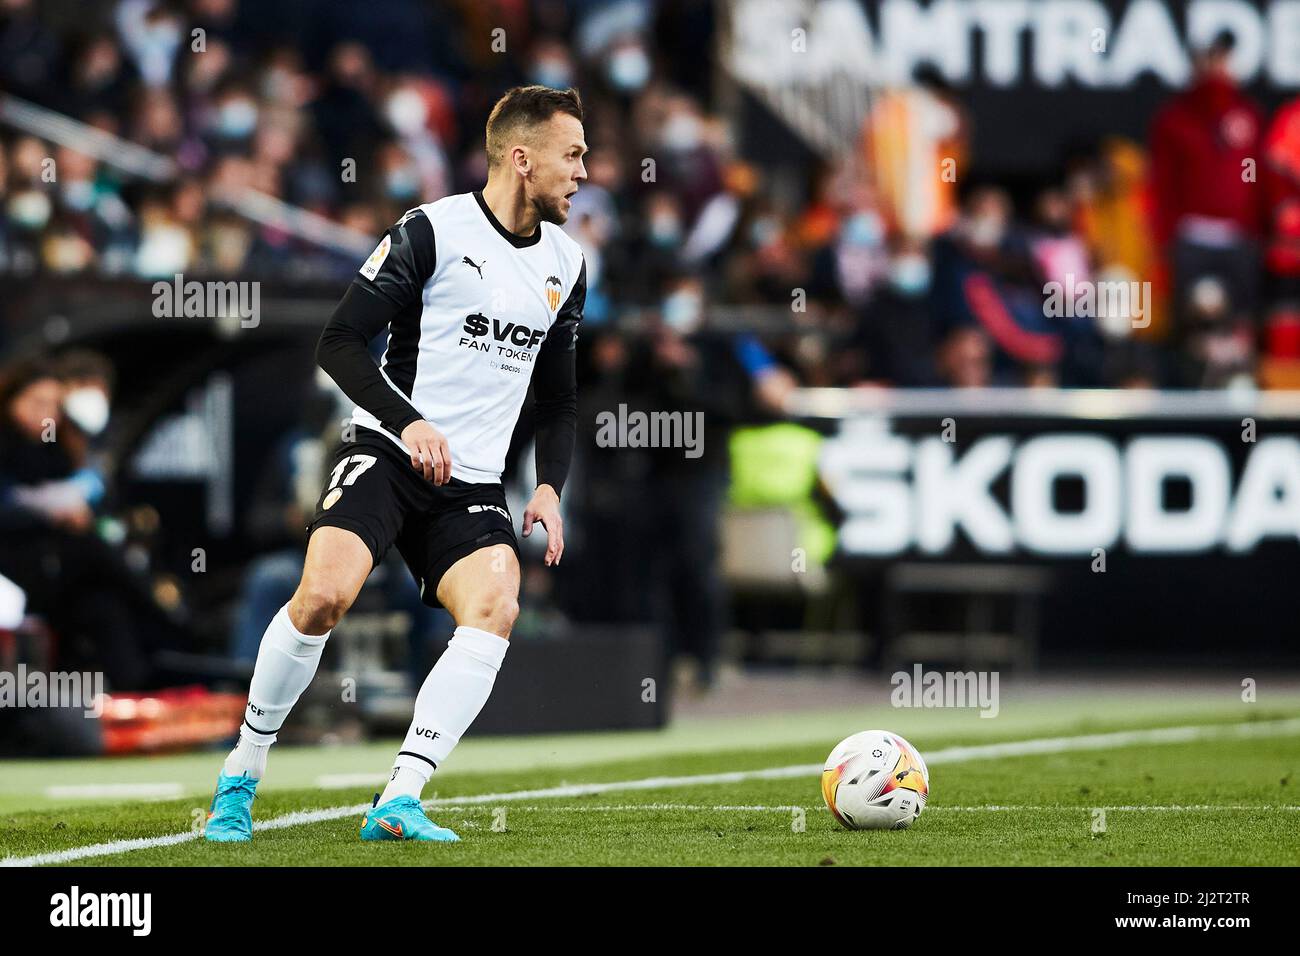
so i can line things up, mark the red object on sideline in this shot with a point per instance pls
(177, 718)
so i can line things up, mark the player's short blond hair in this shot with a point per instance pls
(519, 111)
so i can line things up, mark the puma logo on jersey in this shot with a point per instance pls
(477, 268)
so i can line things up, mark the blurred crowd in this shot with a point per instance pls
(65, 559)
(893, 265)
(718, 279)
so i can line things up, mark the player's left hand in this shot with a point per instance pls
(545, 507)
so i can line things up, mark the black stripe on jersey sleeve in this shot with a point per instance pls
(414, 257)
(393, 299)
(555, 390)
(411, 260)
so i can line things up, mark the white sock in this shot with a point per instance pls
(286, 663)
(451, 697)
(406, 782)
(249, 755)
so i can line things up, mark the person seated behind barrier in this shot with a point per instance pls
(104, 616)
(1218, 340)
(985, 278)
(895, 336)
(88, 380)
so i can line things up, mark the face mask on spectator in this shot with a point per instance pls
(158, 36)
(763, 231)
(401, 183)
(665, 230)
(629, 68)
(863, 230)
(88, 409)
(985, 232)
(682, 311)
(407, 112)
(552, 72)
(79, 195)
(681, 133)
(237, 118)
(30, 209)
(910, 275)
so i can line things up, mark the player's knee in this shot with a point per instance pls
(497, 611)
(316, 608)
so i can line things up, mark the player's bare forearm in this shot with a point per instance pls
(545, 509)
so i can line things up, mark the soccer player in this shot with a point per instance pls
(480, 294)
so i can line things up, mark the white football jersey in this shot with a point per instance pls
(477, 302)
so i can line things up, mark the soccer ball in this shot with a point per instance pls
(875, 780)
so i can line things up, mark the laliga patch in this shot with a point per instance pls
(332, 499)
(371, 268)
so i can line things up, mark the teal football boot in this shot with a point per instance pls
(230, 818)
(402, 818)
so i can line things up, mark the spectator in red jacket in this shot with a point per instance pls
(1282, 173)
(1209, 207)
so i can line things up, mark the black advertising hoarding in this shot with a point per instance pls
(1015, 62)
(1170, 521)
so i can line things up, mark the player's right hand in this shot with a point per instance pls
(429, 451)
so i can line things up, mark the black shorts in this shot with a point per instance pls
(373, 491)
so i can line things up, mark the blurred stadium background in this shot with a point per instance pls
(842, 231)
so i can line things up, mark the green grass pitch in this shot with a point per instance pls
(1219, 800)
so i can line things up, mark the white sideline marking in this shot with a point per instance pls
(94, 791)
(1014, 748)
(443, 808)
(1173, 808)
